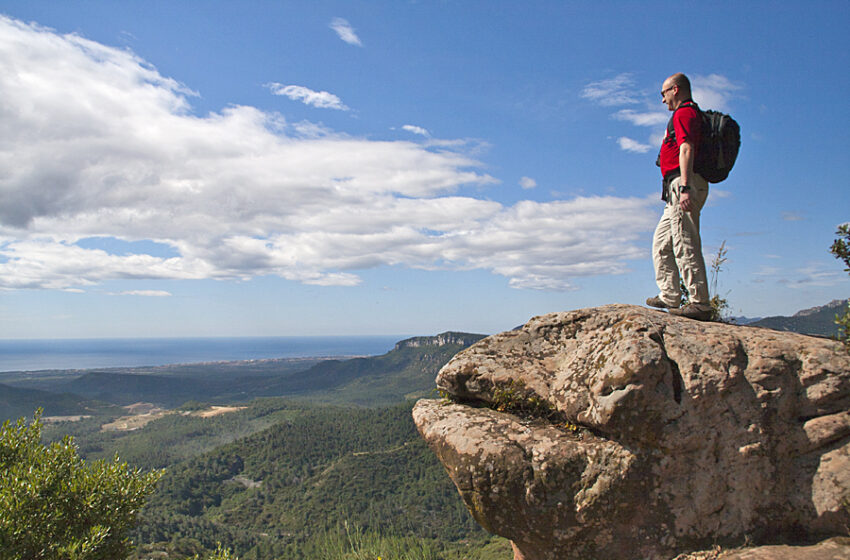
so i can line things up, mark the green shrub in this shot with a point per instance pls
(221, 553)
(351, 542)
(55, 506)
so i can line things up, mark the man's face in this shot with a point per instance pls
(668, 95)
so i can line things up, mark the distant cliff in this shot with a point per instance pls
(444, 339)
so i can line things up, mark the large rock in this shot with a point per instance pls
(622, 432)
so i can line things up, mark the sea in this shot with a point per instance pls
(61, 354)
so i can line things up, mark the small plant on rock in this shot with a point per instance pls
(516, 398)
(719, 305)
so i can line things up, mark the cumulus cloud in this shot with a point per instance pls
(97, 145)
(527, 183)
(145, 293)
(630, 145)
(319, 99)
(345, 32)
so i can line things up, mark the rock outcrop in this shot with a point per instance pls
(622, 432)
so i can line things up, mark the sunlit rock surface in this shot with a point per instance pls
(631, 434)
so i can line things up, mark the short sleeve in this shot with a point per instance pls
(688, 125)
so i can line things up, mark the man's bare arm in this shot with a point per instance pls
(686, 167)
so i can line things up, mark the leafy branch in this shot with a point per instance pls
(841, 249)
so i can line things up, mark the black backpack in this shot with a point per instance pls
(718, 147)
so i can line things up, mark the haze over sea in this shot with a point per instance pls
(41, 354)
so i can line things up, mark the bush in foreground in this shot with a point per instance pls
(55, 506)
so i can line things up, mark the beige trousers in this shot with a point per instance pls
(676, 247)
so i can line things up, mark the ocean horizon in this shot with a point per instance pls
(61, 354)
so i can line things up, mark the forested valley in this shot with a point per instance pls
(333, 462)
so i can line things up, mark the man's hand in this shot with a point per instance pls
(685, 201)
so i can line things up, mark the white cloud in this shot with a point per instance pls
(97, 144)
(619, 90)
(470, 146)
(416, 130)
(657, 137)
(544, 245)
(630, 145)
(792, 217)
(651, 118)
(319, 99)
(307, 129)
(713, 91)
(811, 275)
(527, 183)
(145, 293)
(345, 32)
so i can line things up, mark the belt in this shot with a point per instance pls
(665, 182)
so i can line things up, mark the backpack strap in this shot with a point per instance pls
(671, 132)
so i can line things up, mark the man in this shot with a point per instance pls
(676, 245)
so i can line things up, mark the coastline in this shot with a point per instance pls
(63, 355)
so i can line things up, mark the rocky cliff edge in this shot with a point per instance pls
(623, 432)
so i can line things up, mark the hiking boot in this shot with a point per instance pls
(658, 303)
(692, 312)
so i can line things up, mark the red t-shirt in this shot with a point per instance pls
(687, 125)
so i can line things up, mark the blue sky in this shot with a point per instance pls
(212, 168)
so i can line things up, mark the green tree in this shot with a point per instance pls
(841, 249)
(221, 553)
(55, 506)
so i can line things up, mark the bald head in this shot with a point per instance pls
(675, 91)
(682, 81)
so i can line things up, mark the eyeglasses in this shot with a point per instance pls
(663, 91)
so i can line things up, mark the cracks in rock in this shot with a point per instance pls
(545, 415)
(677, 382)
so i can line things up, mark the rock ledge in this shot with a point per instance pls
(689, 434)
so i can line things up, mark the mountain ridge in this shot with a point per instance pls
(819, 320)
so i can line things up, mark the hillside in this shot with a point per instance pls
(816, 320)
(16, 402)
(267, 495)
(407, 371)
(272, 475)
(167, 386)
